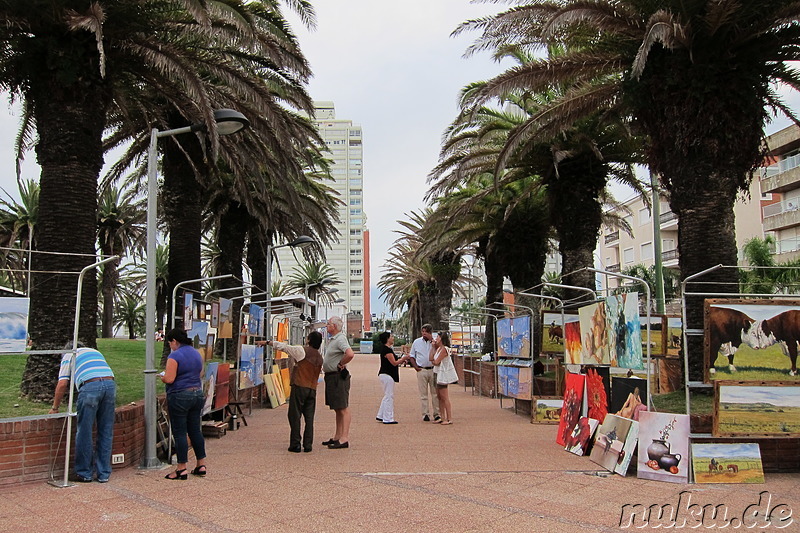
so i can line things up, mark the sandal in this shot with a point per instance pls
(448, 423)
(178, 474)
(199, 470)
(438, 421)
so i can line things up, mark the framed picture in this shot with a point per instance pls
(13, 324)
(188, 310)
(210, 338)
(727, 463)
(759, 409)
(215, 315)
(553, 331)
(663, 447)
(674, 335)
(547, 410)
(658, 334)
(751, 340)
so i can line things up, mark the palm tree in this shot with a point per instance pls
(17, 225)
(768, 276)
(129, 313)
(313, 277)
(121, 220)
(696, 77)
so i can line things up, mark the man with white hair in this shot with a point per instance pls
(337, 382)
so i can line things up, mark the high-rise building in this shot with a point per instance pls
(349, 258)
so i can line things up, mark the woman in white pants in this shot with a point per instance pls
(388, 375)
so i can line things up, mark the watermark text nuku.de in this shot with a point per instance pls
(763, 514)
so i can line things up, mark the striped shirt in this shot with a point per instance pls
(88, 365)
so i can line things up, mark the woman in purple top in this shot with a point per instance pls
(185, 399)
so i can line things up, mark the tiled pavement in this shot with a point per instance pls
(490, 471)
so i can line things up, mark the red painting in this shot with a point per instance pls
(573, 404)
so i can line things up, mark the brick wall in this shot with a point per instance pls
(30, 448)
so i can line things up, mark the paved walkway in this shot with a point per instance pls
(490, 471)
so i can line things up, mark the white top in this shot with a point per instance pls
(421, 352)
(298, 353)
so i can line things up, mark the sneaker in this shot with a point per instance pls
(102, 480)
(426, 418)
(81, 479)
(392, 422)
(437, 418)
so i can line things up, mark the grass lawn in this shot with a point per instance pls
(126, 358)
(675, 402)
(768, 364)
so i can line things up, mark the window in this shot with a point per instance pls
(644, 216)
(667, 244)
(355, 241)
(355, 133)
(355, 292)
(355, 143)
(355, 192)
(355, 272)
(646, 251)
(355, 221)
(355, 201)
(628, 220)
(355, 162)
(355, 261)
(355, 171)
(355, 251)
(355, 212)
(627, 256)
(355, 232)
(354, 182)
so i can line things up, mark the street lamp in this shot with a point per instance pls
(303, 241)
(228, 121)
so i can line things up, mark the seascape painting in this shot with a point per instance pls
(727, 463)
(13, 324)
(255, 326)
(251, 366)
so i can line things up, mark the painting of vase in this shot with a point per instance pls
(663, 447)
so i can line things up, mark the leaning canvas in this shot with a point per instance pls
(572, 408)
(663, 447)
(609, 443)
(578, 441)
(727, 463)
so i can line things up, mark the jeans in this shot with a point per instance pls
(185, 410)
(96, 403)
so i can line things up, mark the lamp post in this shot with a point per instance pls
(303, 241)
(228, 121)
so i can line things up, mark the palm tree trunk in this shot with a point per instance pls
(494, 293)
(70, 121)
(231, 235)
(109, 283)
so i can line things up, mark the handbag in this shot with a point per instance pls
(447, 374)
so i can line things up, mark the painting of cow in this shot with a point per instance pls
(725, 327)
(783, 328)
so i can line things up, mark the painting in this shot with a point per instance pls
(215, 315)
(209, 386)
(623, 388)
(198, 335)
(751, 340)
(547, 410)
(572, 408)
(674, 335)
(752, 408)
(251, 366)
(503, 328)
(223, 385)
(552, 333)
(611, 332)
(572, 340)
(255, 326)
(663, 447)
(596, 396)
(609, 443)
(594, 335)
(657, 334)
(188, 309)
(627, 450)
(727, 463)
(578, 441)
(209, 353)
(14, 324)
(225, 319)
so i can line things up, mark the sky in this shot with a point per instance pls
(391, 67)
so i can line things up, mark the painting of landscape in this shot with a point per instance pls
(767, 408)
(727, 463)
(553, 331)
(547, 410)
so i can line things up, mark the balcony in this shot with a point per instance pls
(613, 268)
(781, 177)
(668, 220)
(781, 215)
(611, 237)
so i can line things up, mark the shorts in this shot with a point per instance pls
(337, 391)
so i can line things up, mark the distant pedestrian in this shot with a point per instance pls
(185, 400)
(422, 363)
(388, 375)
(303, 395)
(337, 382)
(97, 393)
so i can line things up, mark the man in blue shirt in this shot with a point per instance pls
(97, 394)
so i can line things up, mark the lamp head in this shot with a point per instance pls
(229, 121)
(303, 241)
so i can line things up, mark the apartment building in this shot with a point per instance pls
(780, 183)
(349, 258)
(616, 250)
